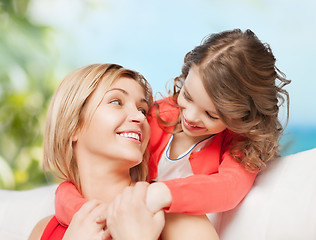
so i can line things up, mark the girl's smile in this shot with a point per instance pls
(191, 126)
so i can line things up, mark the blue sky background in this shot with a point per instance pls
(152, 36)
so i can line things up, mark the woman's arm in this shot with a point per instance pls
(39, 229)
(187, 227)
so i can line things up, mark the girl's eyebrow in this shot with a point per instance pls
(186, 91)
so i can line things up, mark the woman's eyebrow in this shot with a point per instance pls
(142, 100)
(118, 89)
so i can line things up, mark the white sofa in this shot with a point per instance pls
(280, 206)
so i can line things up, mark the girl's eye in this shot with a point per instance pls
(116, 101)
(186, 96)
(211, 116)
(144, 111)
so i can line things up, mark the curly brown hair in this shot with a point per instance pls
(240, 76)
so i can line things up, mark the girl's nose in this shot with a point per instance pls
(191, 114)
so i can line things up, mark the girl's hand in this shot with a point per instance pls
(89, 223)
(128, 217)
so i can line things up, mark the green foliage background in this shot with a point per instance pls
(27, 82)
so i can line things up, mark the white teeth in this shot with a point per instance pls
(130, 135)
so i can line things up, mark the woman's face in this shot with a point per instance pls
(199, 118)
(118, 129)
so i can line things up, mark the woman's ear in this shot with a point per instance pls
(75, 137)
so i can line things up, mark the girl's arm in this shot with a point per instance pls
(68, 201)
(88, 223)
(201, 194)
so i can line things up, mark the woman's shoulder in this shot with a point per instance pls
(39, 228)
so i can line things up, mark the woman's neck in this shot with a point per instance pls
(103, 184)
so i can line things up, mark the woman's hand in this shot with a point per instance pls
(89, 223)
(128, 217)
(158, 196)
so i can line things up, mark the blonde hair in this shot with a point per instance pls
(240, 76)
(65, 116)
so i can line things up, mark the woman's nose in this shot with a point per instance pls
(137, 115)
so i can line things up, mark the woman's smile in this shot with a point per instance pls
(135, 136)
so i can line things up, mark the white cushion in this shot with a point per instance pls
(281, 204)
(21, 210)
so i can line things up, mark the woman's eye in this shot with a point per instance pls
(116, 101)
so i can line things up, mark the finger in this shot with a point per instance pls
(90, 205)
(125, 198)
(159, 216)
(140, 190)
(106, 235)
(112, 209)
(101, 218)
(109, 214)
(87, 208)
(98, 214)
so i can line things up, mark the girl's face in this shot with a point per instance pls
(199, 118)
(118, 129)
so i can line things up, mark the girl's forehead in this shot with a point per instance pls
(194, 86)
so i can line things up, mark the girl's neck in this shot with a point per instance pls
(182, 142)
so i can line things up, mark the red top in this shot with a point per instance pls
(53, 230)
(219, 182)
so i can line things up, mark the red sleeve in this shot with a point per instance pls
(53, 230)
(68, 201)
(218, 192)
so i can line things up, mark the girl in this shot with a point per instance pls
(215, 132)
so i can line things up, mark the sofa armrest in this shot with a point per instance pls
(281, 204)
(21, 210)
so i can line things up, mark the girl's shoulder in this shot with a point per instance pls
(166, 108)
(229, 138)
